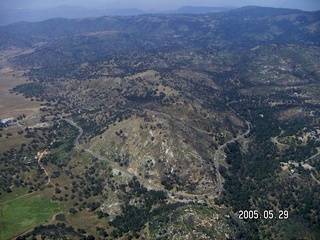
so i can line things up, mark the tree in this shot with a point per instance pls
(73, 211)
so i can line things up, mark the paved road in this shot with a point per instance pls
(313, 156)
(113, 164)
(178, 197)
(216, 159)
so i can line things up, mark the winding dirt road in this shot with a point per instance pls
(45, 171)
(216, 159)
(179, 197)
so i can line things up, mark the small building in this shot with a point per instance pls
(7, 120)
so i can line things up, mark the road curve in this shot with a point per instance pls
(113, 164)
(216, 159)
(179, 197)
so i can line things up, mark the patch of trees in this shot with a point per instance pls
(14, 164)
(58, 231)
(102, 232)
(30, 90)
(236, 195)
(61, 148)
(93, 206)
(72, 210)
(251, 176)
(149, 96)
(167, 185)
(134, 216)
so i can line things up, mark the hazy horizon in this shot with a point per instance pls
(307, 5)
(38, 10)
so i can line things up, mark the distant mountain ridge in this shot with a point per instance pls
(200, 10)
(9, 16)
(281, 25)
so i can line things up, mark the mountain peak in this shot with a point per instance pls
(200, 9)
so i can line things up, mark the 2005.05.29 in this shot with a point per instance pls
(267, 214)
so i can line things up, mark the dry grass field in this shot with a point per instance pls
(12, 105)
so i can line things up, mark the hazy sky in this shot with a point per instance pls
(309, 5)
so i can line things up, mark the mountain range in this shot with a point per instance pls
(249, 26)
(11, 15)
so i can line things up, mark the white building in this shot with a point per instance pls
(7, 120)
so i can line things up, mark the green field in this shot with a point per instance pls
(25, 213)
